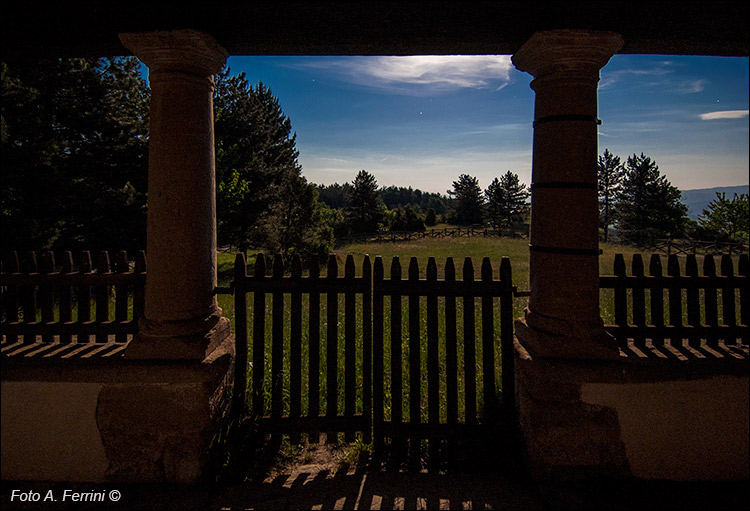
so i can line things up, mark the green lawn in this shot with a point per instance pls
(458, 248)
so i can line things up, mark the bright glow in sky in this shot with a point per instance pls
(421, 121)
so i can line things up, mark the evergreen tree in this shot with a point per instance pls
(365, 211)
(506, 201)
(334, 196)
(726, 220)
(74, 146)
(649, 206)
(611, 173)
(260, 189)
(468, 200)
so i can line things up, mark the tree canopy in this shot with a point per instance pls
(364, 211)
(74, 146)
(726, 220)
(263, 200)
(611, 173)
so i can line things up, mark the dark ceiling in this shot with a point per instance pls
(85, 28)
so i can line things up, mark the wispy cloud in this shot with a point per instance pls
(691, 86)
(656, 75)
(724, 114)
(423, 73)
(658, 69)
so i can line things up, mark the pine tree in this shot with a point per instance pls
(506, 201)
(430, 218)
(649, 206)
(364, 211)
(408, 218)
(611, 173)
(468, 200)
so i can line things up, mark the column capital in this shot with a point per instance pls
(565, 53)
(187, 51)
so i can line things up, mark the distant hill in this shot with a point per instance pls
(697, 200)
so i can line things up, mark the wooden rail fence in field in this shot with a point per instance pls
(452, 232)
(47, 293)
(402, 375)
(696, 247)
(673, 308)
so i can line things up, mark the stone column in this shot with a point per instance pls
(562, 319)
(182, 318)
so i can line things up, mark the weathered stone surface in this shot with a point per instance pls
(162, 431)
(591, 418)
(565, 437)
(571, 439)
(681, 430)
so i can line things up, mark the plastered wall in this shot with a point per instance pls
(681, 430)
(49, 432)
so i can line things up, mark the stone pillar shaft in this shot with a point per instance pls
(562, 318)
(181, 313)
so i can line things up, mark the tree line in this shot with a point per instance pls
(74, 142)
(639, 204)
(365, 208)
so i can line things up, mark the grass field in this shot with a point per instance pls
(516, 249)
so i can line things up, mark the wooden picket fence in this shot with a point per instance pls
(269, 385)
(669, 310)
(47, 294)
(383, 395)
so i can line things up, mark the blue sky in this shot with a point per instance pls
(421, 121)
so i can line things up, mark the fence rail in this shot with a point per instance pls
(39, 297)
(673, 308)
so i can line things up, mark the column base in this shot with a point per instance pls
(564, 437)
(166, 428)
(543, 343)
(197, 347)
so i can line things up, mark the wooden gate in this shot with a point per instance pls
(286, 388)
(402, 371)
(434, 381)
